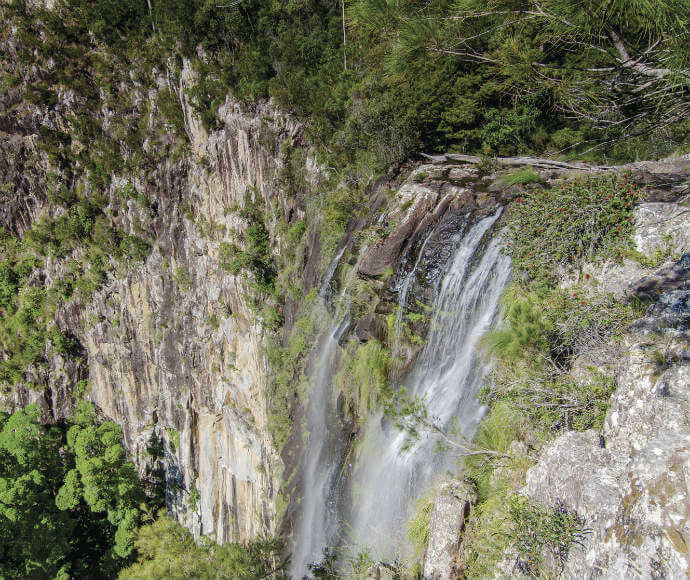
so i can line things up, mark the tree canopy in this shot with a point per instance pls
(69, 499)
(167, 550)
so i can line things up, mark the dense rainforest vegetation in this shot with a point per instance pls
(375, 82)
(70, 502)
(71, 506)
(386, 79)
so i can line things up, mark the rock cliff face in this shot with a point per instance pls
(631, 483)
(175, 349)
(172, 349)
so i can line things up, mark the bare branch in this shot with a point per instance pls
(636, 65)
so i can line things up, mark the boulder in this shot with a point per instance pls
(632, 485)
(451, 509)
(383, 253)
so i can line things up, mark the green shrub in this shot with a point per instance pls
(254, 257)
(167, 550)
(580, 221)
(418, 528)
(171, 109)
(554, 401)
(542, 536)
(522, 176)
(295, 233)
(363, 374)
(194, 497)
(134, 248)
(499, 428)
(543, 331)
(525, 331)
(173, 439)
(182, 279)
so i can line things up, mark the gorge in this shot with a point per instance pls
(336, 320)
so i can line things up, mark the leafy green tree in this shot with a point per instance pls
(621, 67)
(69, 502)
(34, 532)
(167, 550)
(103, 477)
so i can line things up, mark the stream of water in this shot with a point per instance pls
(318, 526)
(319, 522)
(390, 475)
(448, 374)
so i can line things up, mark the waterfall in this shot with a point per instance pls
(319, 521)
(448, 374)
(324, 289)
(318, 525)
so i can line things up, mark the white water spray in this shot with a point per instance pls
(319, 514)
(318, 526)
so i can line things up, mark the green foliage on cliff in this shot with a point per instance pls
(254, 255)
(533, 539)
(582, 220)
(542, 536)
(167, 550)
(550, 371)
(363, 375)
(26, 312)
(287, 363)
(543, 332)
(78, 237)
(88, 249)
(378, 81)
(419, 526)
(69, 500)
(552, 232)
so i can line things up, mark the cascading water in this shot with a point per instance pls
(448, 376)
(332, 267)
(319, 523)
